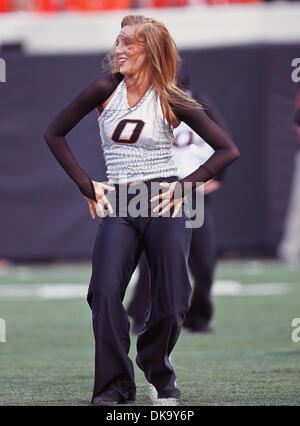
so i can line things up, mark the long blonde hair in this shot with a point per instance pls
(163, 62)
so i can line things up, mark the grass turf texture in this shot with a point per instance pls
(249, 360)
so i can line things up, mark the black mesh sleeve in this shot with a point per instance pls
(214, 114)
(88, 99)
(225, 150)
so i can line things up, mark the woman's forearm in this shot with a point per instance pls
(61, 151)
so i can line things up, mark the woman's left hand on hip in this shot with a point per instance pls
(167, 199)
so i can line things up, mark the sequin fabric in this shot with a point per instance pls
(150, 155)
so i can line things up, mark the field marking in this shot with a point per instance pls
(2, 330)
(235, 288)
(51, 291)
(43, 291)
(162, 401)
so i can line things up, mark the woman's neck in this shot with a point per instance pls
(137, 85)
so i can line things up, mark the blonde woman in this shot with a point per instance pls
(138, 106)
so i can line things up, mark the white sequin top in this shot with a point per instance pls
(136, 141)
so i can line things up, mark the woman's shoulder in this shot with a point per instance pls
(106, 85)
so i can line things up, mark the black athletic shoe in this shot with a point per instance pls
(204, 329)
(198, 326)
(169, 393)
(112, 397)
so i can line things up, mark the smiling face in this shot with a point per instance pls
(130, 51)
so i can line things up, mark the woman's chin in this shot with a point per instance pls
(126, 71)
(123, 69)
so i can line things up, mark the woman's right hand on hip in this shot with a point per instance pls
(101, 200)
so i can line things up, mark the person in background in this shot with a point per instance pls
(289, 247)
(189, 152)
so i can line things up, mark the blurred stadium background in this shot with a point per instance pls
(239, 53)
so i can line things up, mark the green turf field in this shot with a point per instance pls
(249, 360)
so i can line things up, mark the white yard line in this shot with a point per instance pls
(52, 291)
(161, 401)
(235, 288)
(43, 291)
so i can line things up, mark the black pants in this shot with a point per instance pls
(118, 246)
(202, 257)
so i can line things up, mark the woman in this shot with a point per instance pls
(139, 105)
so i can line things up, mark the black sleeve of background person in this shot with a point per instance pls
(214, 114)
(297, 117)
(225, 150)
(88, 99)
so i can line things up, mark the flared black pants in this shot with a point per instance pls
(117, 249)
